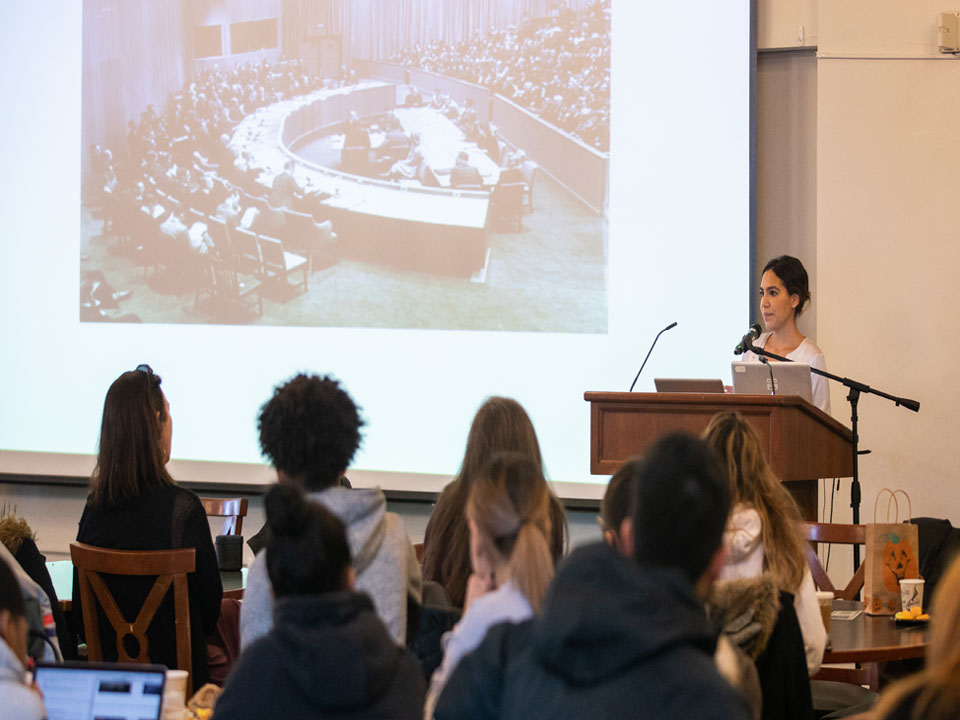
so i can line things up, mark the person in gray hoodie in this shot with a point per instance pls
(328, 655)
(310, 430)
(19, 699)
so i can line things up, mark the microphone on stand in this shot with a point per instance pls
(668, 327)
(773, 383)
(746, 342)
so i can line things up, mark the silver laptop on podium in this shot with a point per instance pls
(776, 378)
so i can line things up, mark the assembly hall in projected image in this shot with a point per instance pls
(326, 163)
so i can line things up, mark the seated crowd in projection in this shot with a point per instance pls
(556, 67)
(177, 175)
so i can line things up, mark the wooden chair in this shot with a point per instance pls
(506, 203)
(170, 567)
(308, 237)
(217, 229)
(246, 251)
(839, 534)
(834, 534)
(279, 263)
(233, 509)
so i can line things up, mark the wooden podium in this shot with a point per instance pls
(801, 442)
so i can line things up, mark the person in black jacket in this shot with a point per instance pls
(134, 504)
(328, 654)
(620, 637)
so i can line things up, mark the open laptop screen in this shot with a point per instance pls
(88, 691)
(776, 378)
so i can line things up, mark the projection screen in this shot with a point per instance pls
(144, 144)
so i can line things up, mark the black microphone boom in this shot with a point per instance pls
(671, 326)
(746, 342)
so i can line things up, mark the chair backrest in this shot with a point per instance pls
(300, 230)
(326, 231)
(271, 250)
(170, 567)
(834, 534)
(217, 229)
(529, 170)
(233, 509)
(509, 196)
(246, 249)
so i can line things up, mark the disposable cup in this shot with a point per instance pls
(911, 593)
(177, 680)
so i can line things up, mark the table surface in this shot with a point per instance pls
(61, 573)
(870, 638)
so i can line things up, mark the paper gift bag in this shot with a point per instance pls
(892, 554)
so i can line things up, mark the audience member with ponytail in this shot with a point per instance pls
(328, 654)
(500, 425)
(508, 515)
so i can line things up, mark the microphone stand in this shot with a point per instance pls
(855, 388)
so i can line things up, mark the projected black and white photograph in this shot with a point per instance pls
(346, 163)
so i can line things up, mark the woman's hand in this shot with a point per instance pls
(477, 585)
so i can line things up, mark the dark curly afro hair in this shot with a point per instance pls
(310, 430)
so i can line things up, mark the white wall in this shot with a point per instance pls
(886, 245)
(888, 185)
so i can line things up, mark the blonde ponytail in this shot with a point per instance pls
(510, 505)
(531, 564)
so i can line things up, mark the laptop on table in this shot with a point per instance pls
(90, 691)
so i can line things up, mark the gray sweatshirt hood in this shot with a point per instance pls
(362, 510)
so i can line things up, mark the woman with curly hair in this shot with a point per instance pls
(500, 425)
(310, 430)
(134, 504)
(763, 532)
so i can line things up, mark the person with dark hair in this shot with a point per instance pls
(285, 187)
(784, 291)
(463, 173)
(134, 504)
(20, 700)
(310, 431)
(328, 654)
(617, 634)
(500, 425)
(615, 510)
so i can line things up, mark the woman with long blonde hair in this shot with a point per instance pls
(508, 514)
(933, 693)
(763, 532)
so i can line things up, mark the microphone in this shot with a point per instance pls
(668, 327)
(746, 342)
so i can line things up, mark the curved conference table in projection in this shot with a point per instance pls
(396, 223)
(581, 169)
